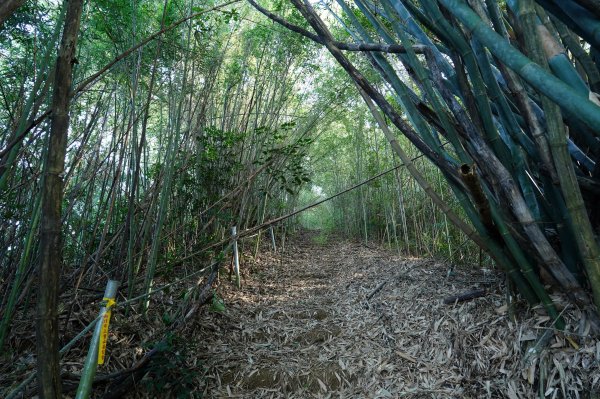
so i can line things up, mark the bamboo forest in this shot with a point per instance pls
(300, 199)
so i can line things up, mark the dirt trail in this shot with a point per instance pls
(344, 320)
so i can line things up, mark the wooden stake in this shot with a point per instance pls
(236, 259)
(273, 239)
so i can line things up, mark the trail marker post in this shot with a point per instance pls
(236, 258)
(98, 343)
(273, 238)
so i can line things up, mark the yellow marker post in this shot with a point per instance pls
(104, 331)
(98, 344)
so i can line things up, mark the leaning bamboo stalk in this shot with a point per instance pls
(403, 93)
(556, 59)
(522, 99)
(504, 184)
(412, 62)
(473, 85)
(582, 228)
(558, 91)
(580, 20)
(525, 267)
(571, 42)
(442, 205)
(471, 180)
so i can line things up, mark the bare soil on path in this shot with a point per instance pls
(340, 320)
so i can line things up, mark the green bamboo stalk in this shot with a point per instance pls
(482, 110)
(20, 272)
(558, 62)
(522, 99)
(129, 234)
(586, 24)
(401, 90)
(425, 80)
(506, 116)
(42, 75)
(549, 85)
(510, 124)
(482, 242)
(559, 215)
(584, 235)
(572, 44)
(526, 268)
(503, 184)
(168, 166)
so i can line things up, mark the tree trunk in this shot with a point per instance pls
(49, 385)
(7, 8)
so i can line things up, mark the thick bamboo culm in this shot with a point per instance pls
(469, 177)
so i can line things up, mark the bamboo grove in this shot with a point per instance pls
(166, 123)
(512, 88)
(162, 124)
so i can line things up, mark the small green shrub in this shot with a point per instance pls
(169, 375)
(218, 304)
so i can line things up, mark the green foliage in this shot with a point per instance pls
(169, 373)
(217, 303)
(322, 237)
(232, 120)
(286, 163)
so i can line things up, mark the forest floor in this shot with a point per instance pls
(339, 319)
(331, 319)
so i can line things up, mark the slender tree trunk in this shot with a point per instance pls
(49, 385)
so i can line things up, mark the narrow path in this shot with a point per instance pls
(343, 320)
